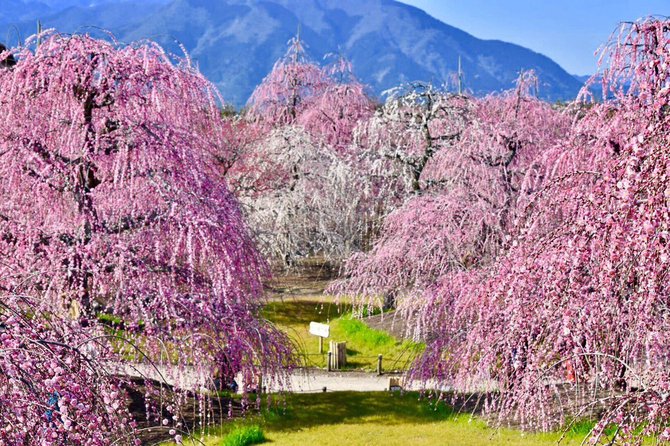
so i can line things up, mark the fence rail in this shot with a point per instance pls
(379, 363)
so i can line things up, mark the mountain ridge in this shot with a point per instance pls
(236, 42)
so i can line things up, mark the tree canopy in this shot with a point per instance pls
(110, 204)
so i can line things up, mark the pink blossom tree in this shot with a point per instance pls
(333, 114)
(285, 92)
(470, 190)
(237, 157)
(298, 178)
(581, 295)
(111, 203)
(328, 102)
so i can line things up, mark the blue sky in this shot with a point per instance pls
(568, 31)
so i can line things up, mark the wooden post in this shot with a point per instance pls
(330, 359)
(320, 344)
(333, 355)
(339, 352)
(379, 364)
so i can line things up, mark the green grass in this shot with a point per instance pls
(244, 436)
(363, 343)
(373, 418)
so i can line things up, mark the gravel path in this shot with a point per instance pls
(314, 380)
(301, 380)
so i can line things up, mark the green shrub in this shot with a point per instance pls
(244, 436)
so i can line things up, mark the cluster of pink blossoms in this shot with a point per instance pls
(112, 209)
(557, 276)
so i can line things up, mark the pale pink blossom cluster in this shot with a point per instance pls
(296, 172)
(541, 263)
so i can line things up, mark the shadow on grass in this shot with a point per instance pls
(388, 408)
(351, 352)
(302, 312)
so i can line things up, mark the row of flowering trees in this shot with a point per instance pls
(520, 239)
(541, 258)
(119, 177)
(317, 163)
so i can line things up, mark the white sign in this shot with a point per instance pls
(318, 329)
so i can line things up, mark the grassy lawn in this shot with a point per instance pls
(378, 418)
(363, 343)
(363, 418)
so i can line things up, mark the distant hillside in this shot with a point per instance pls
(236, 42)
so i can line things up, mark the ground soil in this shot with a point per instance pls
(307, 280)
(389, 322)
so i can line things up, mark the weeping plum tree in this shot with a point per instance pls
(297, 176)
(470, 191)
(398, 142)
(401, 139)
(333, 114)
(328, 102)
(286, 90)
(582, 294)
(302, 198)
(236, 156)
(110, 203)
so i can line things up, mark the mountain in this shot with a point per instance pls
(236, 42)
(582, 78)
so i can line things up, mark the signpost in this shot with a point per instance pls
(320, 330)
